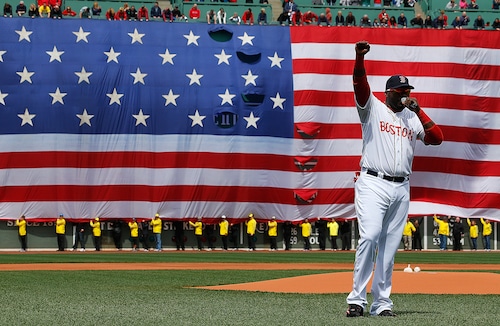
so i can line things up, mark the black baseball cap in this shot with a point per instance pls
(398, 81)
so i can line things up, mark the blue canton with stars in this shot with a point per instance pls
(101, 77)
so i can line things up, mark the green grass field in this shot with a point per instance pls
(165, 297)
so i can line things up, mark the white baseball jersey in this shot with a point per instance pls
(389, 138)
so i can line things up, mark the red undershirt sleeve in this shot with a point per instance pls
(360, 81)
(433, 134)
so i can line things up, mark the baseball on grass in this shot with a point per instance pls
(416, 269)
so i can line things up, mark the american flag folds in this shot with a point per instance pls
(129, 119)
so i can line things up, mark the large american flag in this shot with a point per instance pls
(130, 119)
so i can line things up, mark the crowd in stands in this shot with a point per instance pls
(291, 15)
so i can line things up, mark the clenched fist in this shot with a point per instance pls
(362, 47)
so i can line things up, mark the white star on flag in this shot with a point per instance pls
(170, 98)
(85, 117)
(226, 97)
(2, 97)
(194, 78)
(25, 75)
(192, 39)
(275, 60)
(278, 101)
(24, 34)
(112, 55)
(249, 78)
(223, 57)
(136, 36)
(114, 97)
(26, 117)
(54, 54)
(246, 39)
(167, 57)
(251, 121)
(1, 55)
(58, 96)
(197, 119)
(138, 76)
(81, 35)
(140, 118)
(83, 76)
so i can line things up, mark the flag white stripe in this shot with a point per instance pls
(170, 177)
(441, 85)
(399, 53)
(423, 208)
(443, 117)
(455, 182)
(145, 143)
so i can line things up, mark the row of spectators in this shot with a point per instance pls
(452, 5)
(291, 15)
(49, 9)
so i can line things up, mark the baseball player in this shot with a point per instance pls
(382, 197)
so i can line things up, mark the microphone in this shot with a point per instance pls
(412, 105)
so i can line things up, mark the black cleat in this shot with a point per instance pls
(387, 313)
(354, 311)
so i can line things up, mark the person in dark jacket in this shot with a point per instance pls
(458, 233)
(179, 234)
(79, 236)
(287, 235)
(116, 230)
(345, 235)
(322, 231)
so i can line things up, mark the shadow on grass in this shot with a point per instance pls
(411, 312)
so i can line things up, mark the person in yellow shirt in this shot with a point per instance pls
(443, 231)
(21, 224)
(44, 10)
(134, 234)
(408, 235)
(198, 232)
(487, 230)
(473, 233)
(224, 231)
(96, 233)
(333, 228)
(156, 225)
(251, 224)
(272, 232)
(61, 232)
(306, 233)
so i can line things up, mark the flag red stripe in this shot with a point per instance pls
(231, 194)
(146, 160)
(28, 160)
(452, 197)
(445, 101)
(451, 133)
(401, 37)
(380, 68)
(337, 131)
(175, 193)
(324, 163)
(456, 166)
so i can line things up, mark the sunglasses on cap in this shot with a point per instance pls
(401, 91)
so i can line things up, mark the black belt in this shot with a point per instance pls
(386, 177)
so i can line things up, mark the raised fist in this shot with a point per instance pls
(362, 47)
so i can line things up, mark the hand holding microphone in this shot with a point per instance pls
(411, 103)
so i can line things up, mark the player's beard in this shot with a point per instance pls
(395, 105)
(394, 102)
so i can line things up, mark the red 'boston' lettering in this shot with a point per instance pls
(396, 130)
